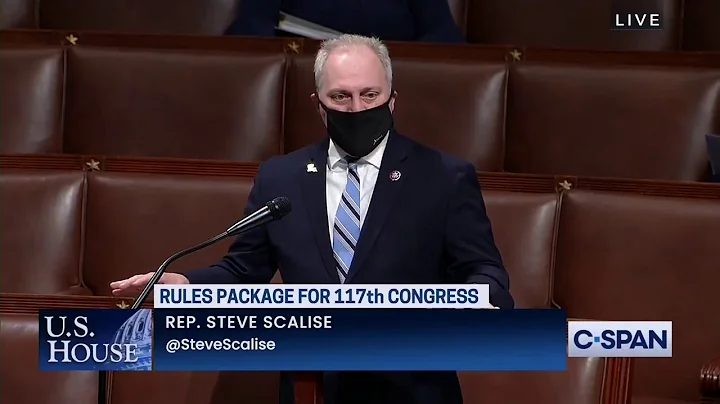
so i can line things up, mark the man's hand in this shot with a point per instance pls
(133, 285)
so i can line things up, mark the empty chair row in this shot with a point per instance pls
(553, 23)
(561, 115)
(649, 253)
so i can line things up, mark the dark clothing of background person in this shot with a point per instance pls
(388, 20)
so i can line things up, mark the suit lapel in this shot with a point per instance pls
(384, 198)
(314, 192)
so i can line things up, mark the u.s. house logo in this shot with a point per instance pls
(95, 340)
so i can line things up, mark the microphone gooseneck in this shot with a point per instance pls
(273, 210)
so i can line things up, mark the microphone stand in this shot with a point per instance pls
(163, 267)
(234, 230)
(253, 222)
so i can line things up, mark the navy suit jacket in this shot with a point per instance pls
(396, 20)
(429, 226)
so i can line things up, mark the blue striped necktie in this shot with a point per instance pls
(346, 229)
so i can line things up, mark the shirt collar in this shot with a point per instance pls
(336, 154)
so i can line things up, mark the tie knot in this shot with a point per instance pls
(351, 161)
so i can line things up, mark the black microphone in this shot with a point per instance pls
(273, 210)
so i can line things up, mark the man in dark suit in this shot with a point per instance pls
(369, 206)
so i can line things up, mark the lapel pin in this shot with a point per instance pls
(395, 175)
(311, 167)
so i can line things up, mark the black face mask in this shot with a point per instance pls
(359, 133)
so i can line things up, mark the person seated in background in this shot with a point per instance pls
(388, 20)
(713, 149)
(714, 177)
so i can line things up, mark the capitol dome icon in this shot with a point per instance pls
(137, 330)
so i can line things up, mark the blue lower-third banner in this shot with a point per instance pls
(302, 339)
(360, 339)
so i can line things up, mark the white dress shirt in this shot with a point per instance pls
(368, 168)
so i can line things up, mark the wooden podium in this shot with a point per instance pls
(308, 388)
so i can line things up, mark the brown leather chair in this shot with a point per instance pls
(20, 379)
(525, 229)
(564, 114)
(587, 381)
(570, 24)
(457, 106)
(184, 210)
(135, 102)
(135, 221)
(41, 236)
(18, 14)
(627, 256)
(700, 30)
(524, 225)
(603, 120)
(31, 100)
(198, 17)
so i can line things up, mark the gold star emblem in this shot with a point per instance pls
(565, 185)
(93, 165)
(122, 305)
(72, 39)
(294, 46)
(516, 55)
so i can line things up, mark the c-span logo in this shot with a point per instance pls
(619, 339)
